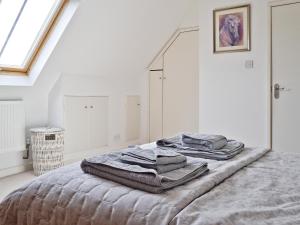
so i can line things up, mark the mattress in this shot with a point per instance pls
(67, 196)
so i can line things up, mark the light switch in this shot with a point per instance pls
(249, 64)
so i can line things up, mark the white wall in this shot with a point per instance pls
(234, 100)
(191, 18)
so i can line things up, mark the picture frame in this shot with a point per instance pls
(232, 29)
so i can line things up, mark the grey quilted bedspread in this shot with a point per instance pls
(267, 192)
(67, 196)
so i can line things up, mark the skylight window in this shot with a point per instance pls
(24, 25)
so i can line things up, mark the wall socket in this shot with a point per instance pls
(249, 64)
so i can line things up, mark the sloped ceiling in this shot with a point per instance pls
(116, 37)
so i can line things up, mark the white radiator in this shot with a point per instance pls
(12, 126)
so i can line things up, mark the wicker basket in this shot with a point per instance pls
(47, 149)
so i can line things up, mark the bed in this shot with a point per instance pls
(255, 187)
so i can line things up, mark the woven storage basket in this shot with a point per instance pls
(47, 149)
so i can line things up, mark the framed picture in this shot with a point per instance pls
(232, 29)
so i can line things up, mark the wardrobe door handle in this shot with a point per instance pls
(91, 107)
(85, 107)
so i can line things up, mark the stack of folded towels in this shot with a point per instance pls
(153, 170)
(215, 147)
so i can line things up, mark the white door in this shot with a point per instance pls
(286, 77)
(133, 117)
(180, 85)
(98, 122)
(156, 92)
(76, 124)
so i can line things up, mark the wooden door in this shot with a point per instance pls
(286, 77)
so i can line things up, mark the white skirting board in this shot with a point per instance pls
(15, 170)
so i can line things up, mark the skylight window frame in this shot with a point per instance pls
(38, 45)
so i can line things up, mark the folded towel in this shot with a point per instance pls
(203, 141)
(172, 142)
(155, 155)
(110, 166)
(160, 160)
(163, 168)
(231, 149)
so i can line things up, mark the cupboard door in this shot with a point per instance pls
(155, 104)
(76, 124)
(98, 122)
(133, 118)
(180, 85)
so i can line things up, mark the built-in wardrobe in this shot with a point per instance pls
(174, 86)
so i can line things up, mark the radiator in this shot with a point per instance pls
(12, 126)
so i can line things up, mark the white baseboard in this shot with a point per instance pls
(15, 170)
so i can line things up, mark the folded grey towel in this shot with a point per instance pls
(162, 168)
(173, 143)
(155, 155)
(160, 160)
(111, 167)
(227, 152)
(203, 141)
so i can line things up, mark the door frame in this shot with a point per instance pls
(272, 4)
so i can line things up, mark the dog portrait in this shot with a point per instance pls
(232, 29)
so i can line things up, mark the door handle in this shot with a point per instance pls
(278, 89)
